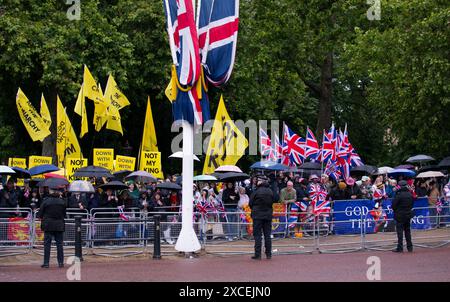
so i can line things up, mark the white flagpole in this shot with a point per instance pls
(187, 241)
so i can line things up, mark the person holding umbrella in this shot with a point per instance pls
(261, 202)
(52, 212)
(402, 206)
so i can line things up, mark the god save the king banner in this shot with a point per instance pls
(347, 215)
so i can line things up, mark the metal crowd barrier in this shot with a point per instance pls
(106, 233)
(15, 231)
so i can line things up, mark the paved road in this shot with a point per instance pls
(422, 265)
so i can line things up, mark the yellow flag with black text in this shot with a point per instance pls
(32, 120)
(66, 140)
(45, 113)
(116, 100)
(227, 143)
(93, 92)
(149, 142)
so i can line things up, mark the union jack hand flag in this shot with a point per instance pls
(312, 149)
(293, 147)
(318, 196)
(333, 170)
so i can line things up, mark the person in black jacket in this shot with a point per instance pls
(9, 199)
(52, 212)
(261, 205)
(402, 206)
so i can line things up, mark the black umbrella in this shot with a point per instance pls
(120, 175)
(168, 186)
(429, 168)
(114, 185)
(21, 173)
(311, 165)
(445, 163)
(53, 183)
(363, 170)
(92, 171)
(233, 176)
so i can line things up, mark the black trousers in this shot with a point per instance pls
(48, 245)
(262, 226)
(406, 228)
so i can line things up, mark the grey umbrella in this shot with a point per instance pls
(81, 186)
(92, 171)
(53, 183)
(168, 186)
(421, 158)
(141, 176)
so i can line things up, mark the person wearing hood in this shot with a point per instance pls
(261, 202)
(402, 206)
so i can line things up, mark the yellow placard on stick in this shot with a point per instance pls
(20, 163)
(73, 164)
(151, 163)
(104, 158)
(34, 161)
(17, 162)
(124, 163)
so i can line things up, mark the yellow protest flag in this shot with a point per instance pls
(80, 109)
(227, 143)
(116, 101)
(149, 141)
(100, 112)
(32, 120)
(171, 90)
(93, 92)
(66, 140)
(45, 113)
(90, 87)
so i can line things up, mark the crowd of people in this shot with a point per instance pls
(213, 198)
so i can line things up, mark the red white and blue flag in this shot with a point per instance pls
(318, 194)
(276, 152)
(217, 22)
(312, 149)
(264, 142)
(184, 46)
(329, 145)
(293, 148)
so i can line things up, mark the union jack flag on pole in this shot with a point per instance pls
(312, 149)
(264, 142)
(217, 23)
(293, 148)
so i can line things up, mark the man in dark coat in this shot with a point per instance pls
(52, 213)
(261, 205)
(402, 206)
